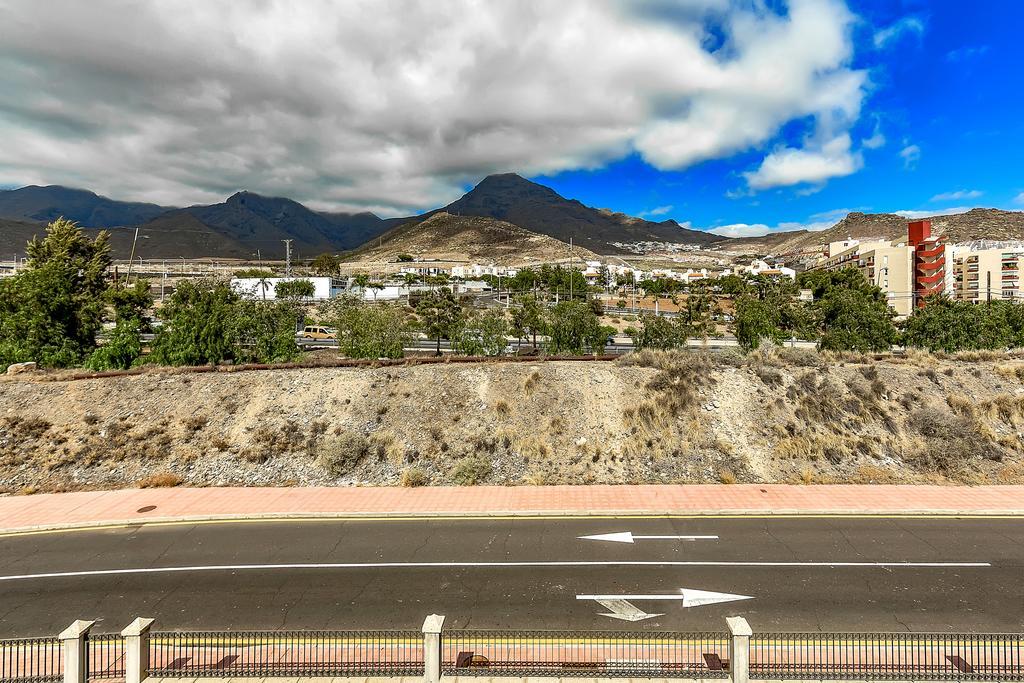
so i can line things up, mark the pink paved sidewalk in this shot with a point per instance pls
(60, 510)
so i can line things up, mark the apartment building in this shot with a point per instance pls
(908, 270)
(988, 274)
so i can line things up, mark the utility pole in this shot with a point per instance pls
(131, 258)
(571, 278)
(287, 258)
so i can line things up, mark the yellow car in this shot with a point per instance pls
(314, 332)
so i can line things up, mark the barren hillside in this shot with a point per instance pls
(445, 237)
(671, 418)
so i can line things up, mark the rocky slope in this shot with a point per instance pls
(468, 239)
(976, 224)
(790, 417)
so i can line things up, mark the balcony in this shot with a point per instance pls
(930, 279)
(937, 250)
(931, 266)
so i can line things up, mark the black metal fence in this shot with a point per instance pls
(887, 656)
(593, 653)
(286, 653)
(32, 660)
(105, 656)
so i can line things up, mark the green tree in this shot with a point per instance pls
(130, 302)
(757, 321)
(947, 325)
(699, 310)
(659, 332)
(572, 327)
(855, 320)
(326, 265)
(199, 325)
(368, 330)
(295, 290)
(50, 312)
(441, 315)
(483, 334)
(527, 317)
(264, 331)
(122, 349)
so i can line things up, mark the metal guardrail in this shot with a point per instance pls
(286, 653)
(589, 654)
(105, 658)
(887, 656)
(31, 660)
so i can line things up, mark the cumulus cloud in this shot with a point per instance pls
(910, 154)
(892, 33)
(657, 211)
(396, 106)
(957, 195)
(761, 229)
(914, 215)
(813, 164)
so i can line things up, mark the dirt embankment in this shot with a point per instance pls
(658, 418)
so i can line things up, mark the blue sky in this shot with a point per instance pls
(947, 94)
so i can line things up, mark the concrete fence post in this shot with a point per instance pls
(739, 649)
(136, 650)
(76, 651)
(432, 626)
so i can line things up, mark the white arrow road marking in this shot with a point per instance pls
(628, 537)
(625, 610)
(482, 565)
(690, 597)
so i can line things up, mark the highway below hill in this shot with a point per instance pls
(789, 574)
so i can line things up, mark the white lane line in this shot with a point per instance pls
(628, 537)
(483, 565)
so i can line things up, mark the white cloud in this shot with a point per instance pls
(396, 105)
(890, 34)
(876, 141)
(760, 229)
(914, 215)
(741, 230)
(657, 211)
(910, 154)
(957, 195)
(814, 164)
(1019, 199)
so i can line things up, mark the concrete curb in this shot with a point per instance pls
(521, 514)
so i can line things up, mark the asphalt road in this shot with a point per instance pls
(522, 573)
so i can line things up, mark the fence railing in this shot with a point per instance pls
(592, 654)
(105, 656)
(78, 656)
(286, 653)
(33, 660)
(887, 656)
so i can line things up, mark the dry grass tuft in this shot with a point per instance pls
(160, 480)
(726, 476)
(340, 453)
(413, 476)
(531, 383)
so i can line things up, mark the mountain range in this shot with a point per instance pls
(247, 224)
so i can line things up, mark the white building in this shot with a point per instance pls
(477, 270)
(266, 288)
